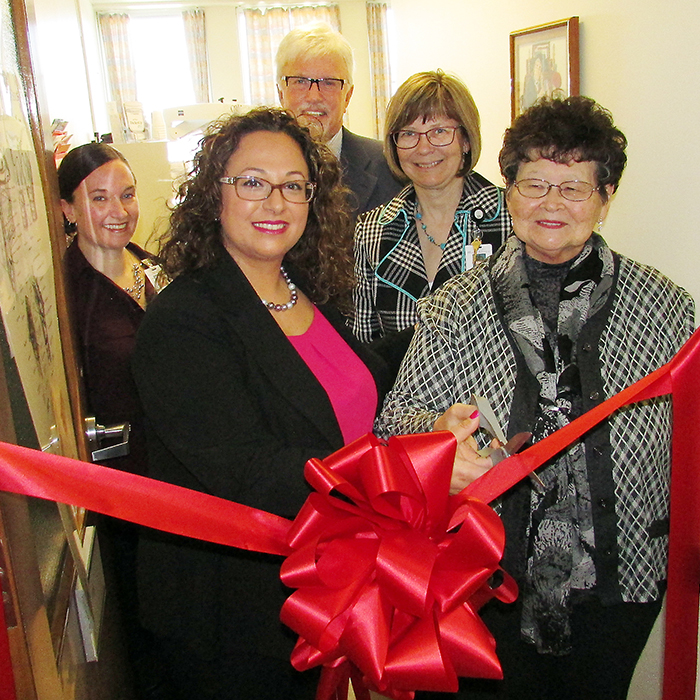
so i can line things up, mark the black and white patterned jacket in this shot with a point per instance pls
(389, 265)
(462, 347)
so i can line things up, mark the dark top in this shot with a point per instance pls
(366, 172)
(105, 320)
(232, 410)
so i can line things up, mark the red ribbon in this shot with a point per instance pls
(394, 586)
(7, 684)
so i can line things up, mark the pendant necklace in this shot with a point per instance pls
(139, 283)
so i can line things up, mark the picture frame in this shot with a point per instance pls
(544, 60)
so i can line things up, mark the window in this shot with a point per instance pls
(159, 60)
(260, 31)
(161, 64)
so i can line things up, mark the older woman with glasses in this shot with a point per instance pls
(553, 325)
(447, 217)
(246, 370)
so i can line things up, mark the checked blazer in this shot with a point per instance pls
(462, 347)
(389, 268)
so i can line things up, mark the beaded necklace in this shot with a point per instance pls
(419, 218)
(292, 290)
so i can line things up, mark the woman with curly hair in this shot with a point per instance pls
(246, 371)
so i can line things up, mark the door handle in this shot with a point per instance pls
(98, 434)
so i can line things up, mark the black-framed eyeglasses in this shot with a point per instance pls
(298, 83)
(573, 190)
(437, 136)
(255, 188)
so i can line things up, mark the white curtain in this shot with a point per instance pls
(265, 28)
(380, 70)
(121, 74)
(195, 34)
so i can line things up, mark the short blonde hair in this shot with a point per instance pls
(432, 94)
(316, 40)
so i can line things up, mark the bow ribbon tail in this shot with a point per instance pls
(682, 599)
(335, 681)
(7, 686)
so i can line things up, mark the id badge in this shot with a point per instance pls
(484, 251)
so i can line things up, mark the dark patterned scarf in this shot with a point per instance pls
(560, 530)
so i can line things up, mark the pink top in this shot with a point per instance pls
(346, 379)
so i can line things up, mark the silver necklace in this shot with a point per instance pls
(419, 218)
(292, 291)
(139, 283)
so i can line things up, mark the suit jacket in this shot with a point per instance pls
(232, 410)
(366, 172)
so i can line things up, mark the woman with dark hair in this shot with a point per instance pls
(446, 218)
(246, 370)
(109, 282)
(554, 324)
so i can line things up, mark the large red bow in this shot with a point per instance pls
(391, 571)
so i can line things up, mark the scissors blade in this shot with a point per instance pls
(487, 418)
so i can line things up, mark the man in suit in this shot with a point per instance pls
(314, 81)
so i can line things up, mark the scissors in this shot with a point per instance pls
(507, 448)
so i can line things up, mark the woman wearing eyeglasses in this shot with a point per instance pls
(554, 325)
(446, 218)
(246, 370)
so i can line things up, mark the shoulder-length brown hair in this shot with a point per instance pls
(323, 254)
(427, 95)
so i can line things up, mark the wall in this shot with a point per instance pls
(638, 58)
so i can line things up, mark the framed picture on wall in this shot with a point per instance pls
(543, 61)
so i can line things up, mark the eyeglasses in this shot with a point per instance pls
(438, 136)
(255, 188)
(573, 190)
(297, 83)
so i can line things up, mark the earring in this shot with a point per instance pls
(600, 225)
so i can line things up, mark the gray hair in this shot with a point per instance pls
(316, 40)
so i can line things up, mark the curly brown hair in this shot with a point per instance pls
(323, 254)
(576, 128)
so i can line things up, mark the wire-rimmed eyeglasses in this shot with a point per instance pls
(573, 190)
(299, 83)
(255, 188)
(437, 136)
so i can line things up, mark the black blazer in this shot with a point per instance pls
(232, 410)
(366, 172)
